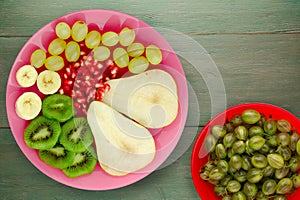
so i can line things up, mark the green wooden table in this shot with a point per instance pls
(255, 44)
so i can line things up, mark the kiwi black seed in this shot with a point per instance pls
(42, 133)
(83, 163)
(59, 107)
(76, 135)
(57, 156)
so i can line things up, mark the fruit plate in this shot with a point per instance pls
(165, 138)
(199, 155)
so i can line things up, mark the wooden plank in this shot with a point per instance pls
(19, 18)
(19, 179)
(254, 68)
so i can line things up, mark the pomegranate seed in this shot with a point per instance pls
(82, 53)
(99, 66)
(106, 87)
(61, 91)
(75, 65)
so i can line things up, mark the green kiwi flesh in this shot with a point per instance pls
(76, 135)
(83, 163)
(59, 107)
(42, 133)
(57, 156)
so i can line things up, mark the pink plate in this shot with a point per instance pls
(199, 155)
(165, 138)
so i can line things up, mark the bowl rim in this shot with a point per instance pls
(195, 175)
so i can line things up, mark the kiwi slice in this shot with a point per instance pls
(59, 107)
(57, 156)
(83, 163)
(76, 135)
(42, 133)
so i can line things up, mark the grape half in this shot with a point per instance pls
(153, 54)
(54, 63)
(110, 39)
(57, 46)
(126, 36)
(63, 30)
(138, 65)
(121, 57)
(101, 53)
(38, 58)
(79, 31)
(92, 39)
(72, 51)
(135, 49)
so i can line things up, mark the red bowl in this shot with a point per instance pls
(200, 156)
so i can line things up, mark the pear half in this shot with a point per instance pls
(123, 146)
(150, 98)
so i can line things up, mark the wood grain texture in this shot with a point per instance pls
(190, 16)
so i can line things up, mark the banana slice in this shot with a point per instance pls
(26, 76)
(48, 82)
(28, 105)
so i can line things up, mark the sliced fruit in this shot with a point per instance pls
(48, 82)
(92, 39)
(63, 30)
(83, 163)
(58, 107)
(110, 38)
(72, 51)
(150, 98)
(112, 171)
(56, 46)
(121, 57)
(79, 31)
(122, 144)
(76, 135)
(57, 156)
(54, 63)
(135, 49)
(26, 76)
(38, 58)
(138, 65)
(42, 133)
(126, 36)
(101, 53)
(153, 54)
(28, 105)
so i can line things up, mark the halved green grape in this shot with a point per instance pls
(72, 51)
(153, 54)
(57, 46)
(54, 63)
(38, 58)
(110, 38)
(92, 39)
(135, 49)
(101, 53)
(79, 31)
(127, 36)
(138, 65)
(63, 30)
(121, 58)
